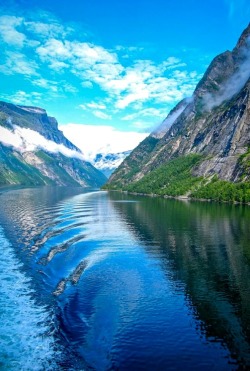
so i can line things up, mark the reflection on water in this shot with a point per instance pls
(205, 248)
(133, 282)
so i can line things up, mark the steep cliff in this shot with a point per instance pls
(34, 152)
(214, 126)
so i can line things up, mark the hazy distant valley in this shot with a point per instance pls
(125, 185)
(200, 150)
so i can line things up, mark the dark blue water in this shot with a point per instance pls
(108, 281)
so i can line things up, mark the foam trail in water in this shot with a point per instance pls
(29, 344)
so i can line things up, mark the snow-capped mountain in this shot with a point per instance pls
(107, 163)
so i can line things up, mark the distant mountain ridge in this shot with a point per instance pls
(107, 163)
(34, 152)
(214, 126)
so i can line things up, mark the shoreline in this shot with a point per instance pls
(180, 198)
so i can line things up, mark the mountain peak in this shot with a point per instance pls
(214, 126)
(220, 69)
(35, 118)
(244, 40)
(34, 152)
(226, 75)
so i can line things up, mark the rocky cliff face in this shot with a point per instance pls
(34, 118)
(34, 152)
(214, 123)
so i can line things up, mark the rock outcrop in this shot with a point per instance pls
(33, 151)
(214, 123)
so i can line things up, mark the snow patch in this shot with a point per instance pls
(110, 161)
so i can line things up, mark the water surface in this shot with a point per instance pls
(108, 281)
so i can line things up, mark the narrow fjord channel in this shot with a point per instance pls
(92, 280)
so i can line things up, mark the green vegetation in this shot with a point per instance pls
(175, 179)
(133, 162)
(244, 163)
(172, 179)
(221, 190)
(14, 171)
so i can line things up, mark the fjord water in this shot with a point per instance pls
(109, 281)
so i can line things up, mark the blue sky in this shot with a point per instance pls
(116, 64)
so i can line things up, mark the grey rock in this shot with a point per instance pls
(215, 123)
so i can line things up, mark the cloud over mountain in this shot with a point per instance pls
(101, 139)
(27, 140)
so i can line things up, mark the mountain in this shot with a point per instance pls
(34, 152)
(107, 163)
(205, 152)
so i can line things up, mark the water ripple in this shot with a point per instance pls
(135, 283)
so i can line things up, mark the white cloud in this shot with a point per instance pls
(69, 88)
(230, 87)
(95, 105)
(58, 66)
(161, 130)
(27, 140)
(87, 84)
(79, 55)
(142, 81)
(147, 112)
(129, 48)
(101, 139)
(173, 62)
(96, 109)
(142, 126)
(83, 106)
(46, 84)
(47, 30)
(10, 138)
(16, 62)
(90, 53)
(23, 98)
(54, 51)
(101, 115)
(139, 94)
(55, 86)
(93, 64)
(8, 31)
